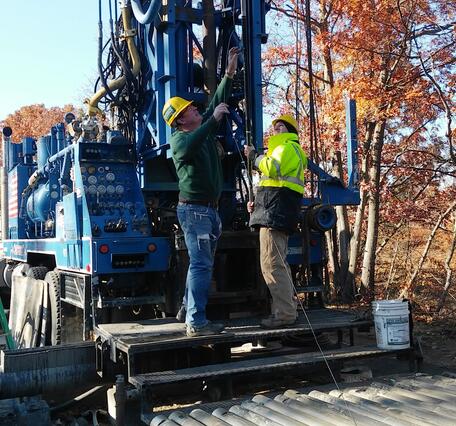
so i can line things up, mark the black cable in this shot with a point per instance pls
(313, 130)
(102, 78)
(245, 15)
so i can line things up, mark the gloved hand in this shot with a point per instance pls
(250, 206)
(250, 152)
(220, 110)
(232, 61)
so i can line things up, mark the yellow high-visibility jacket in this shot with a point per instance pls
(283, 164)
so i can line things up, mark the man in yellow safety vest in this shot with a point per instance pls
(276, 212)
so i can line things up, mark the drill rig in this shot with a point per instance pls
(91, 206)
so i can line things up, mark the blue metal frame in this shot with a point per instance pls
(332, 190)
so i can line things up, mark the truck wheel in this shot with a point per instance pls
(54, 329)
(37, 272)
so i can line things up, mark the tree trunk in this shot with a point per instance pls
(355, 243)
(368, 271)
(333, 265)
(387, 239)
(357, 226)
(407, 291)
(343, 237)
(392, 270)
(449, 271)
(328, 74)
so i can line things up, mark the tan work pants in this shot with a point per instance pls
(276, 272)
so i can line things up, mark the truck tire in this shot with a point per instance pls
(37, 272)
(54, 330)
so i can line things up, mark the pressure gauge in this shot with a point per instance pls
(110, 189)
(85, 188)
(84, 178)
(91, 170)
(83, 170)
(101, 189)
(92, 179)
(119, 189)
(110, 177)
(101, 169)
(92, 189)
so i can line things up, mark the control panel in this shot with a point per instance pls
(112, 192)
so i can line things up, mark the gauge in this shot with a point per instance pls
(54, 194)
(83, 170)
(85, 188)
(84, 178)
(120, 205)
(91, 170)
(92, 189)
(110, 177)
(101, 189)
(110, 189)
(101, 169)
(92, 179)
(119, 189)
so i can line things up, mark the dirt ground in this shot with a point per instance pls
(438, 341)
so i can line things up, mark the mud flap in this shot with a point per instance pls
(26, 310)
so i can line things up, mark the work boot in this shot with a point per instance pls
(273, 322)
(181, 314)
(206, 330)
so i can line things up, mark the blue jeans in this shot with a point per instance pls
(202, 228)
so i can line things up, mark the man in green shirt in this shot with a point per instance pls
(199, 169)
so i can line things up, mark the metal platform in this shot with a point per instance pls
(167, 333)
(159, 335)
(253, 365)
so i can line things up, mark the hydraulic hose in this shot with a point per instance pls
(129, 34)
(148, 16)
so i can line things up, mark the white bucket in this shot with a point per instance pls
(391, 324)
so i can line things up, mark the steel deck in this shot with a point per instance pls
(161, 334)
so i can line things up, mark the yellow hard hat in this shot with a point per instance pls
(287, 118)
(173, 107)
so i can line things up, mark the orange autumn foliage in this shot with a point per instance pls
(34, 120)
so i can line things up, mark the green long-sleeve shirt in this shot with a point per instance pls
(195, 154)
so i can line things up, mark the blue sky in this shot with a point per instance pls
(48, 52)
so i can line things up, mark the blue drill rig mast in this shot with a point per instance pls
(91, 206)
